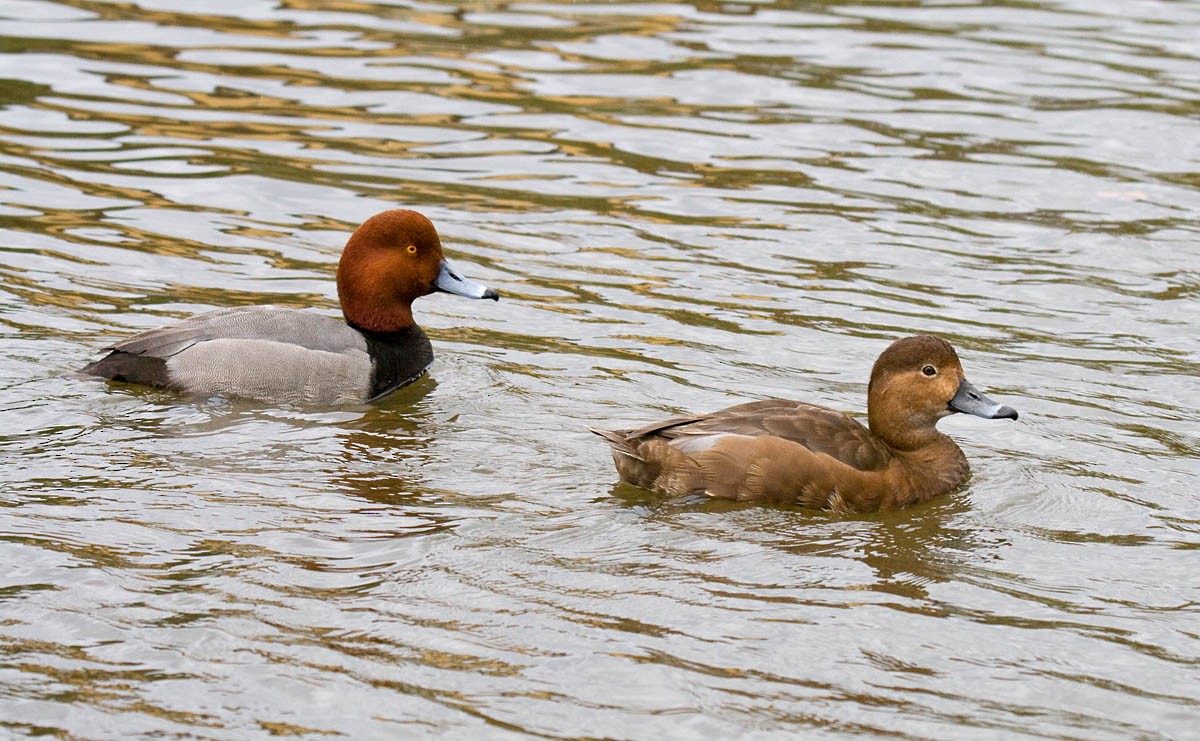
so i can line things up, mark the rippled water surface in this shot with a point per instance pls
(685, 206)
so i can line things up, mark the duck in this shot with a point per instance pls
(792, 452)
(286, 355)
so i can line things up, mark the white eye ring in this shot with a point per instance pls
(929, 370)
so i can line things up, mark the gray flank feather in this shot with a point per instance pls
(273, 323)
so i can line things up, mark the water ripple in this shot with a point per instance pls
(684, 205)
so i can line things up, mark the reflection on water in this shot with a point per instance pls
(685, 205)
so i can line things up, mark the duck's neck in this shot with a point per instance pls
(378, 318)
(397, 358)
(932, 469)
(900, 433)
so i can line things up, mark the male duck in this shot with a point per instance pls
(791, 452)
(282, 355)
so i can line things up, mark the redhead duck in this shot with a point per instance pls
(796, 453)
(277, 354)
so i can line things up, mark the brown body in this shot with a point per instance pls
(792, 452)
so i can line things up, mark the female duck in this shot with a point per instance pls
(792, 452)
(282, 355)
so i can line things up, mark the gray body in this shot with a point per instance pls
(268, 353)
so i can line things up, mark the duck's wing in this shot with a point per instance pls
(268, 323)
(766, 468)
(817, 428)
(762, 468)
(270, 339)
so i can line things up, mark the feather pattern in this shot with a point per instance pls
(274, 323)
(817, 428)
(778, 450)
(255, 352)
(279, 354)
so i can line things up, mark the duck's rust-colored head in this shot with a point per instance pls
(392, 259)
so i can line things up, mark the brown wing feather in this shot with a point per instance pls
(774, 450)
(817, 428)
(771, 469)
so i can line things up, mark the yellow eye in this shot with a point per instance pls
(411, 249)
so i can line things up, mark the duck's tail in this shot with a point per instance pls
(621, 442)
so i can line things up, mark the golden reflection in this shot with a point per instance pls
(486, 84)
(113, 687)
(289, 729)
(461, 528)
(167, 19)
(905, 549)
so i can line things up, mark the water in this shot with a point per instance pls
(685, 206)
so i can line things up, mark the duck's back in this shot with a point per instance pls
(818, 428)
(269, 353)
(773, 450)
(267, 323)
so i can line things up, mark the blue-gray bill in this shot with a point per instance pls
(971, 400)
(450, 281)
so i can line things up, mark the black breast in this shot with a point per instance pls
(397, 358)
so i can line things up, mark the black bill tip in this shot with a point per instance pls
(970, 400)
(449, 281)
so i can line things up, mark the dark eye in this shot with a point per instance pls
(929, 370)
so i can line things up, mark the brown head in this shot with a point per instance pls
(915, 382)
(392, 259)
